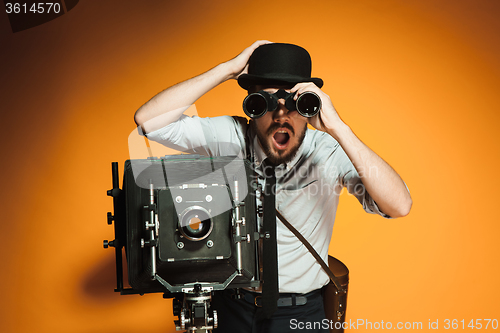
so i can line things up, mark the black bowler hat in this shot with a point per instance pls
(278, 64)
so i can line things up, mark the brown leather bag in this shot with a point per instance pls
(335, 301)
(335, 293)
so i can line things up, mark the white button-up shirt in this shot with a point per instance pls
(307, 188)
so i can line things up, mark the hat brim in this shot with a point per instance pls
(247, 80)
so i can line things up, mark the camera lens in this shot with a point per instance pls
(195, 223)
(308, 104)
(255, 105)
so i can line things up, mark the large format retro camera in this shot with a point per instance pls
(188, 226)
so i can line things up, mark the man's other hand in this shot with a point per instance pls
(327, 120)
(239, 64)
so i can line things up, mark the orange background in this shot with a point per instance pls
(417, 81)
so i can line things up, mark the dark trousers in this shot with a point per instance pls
(243, 316)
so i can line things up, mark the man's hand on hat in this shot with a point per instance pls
(239, 64)
(327, 120)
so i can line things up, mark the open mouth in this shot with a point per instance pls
(281, 138)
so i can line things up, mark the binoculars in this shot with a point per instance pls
(255, 105)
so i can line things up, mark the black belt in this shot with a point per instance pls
(283, 300)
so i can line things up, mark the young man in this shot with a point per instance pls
(311, 168)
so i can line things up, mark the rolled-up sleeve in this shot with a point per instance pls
(356, 187)
(342, 172)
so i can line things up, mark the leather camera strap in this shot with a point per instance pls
(311, 249)
(270, 287)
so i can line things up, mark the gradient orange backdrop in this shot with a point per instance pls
(417, 81)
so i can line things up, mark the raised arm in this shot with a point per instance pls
(380, 180)
(168, 105)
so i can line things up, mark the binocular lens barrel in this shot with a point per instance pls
(308, 104)
(255, 105)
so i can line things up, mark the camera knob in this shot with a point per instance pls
(111, 218)
(216, 319)
(182, 320)
(115, 192)
(176, 307)
(105, 243)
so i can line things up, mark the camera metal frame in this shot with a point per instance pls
(161, 258)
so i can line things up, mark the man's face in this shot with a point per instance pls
(280, 132)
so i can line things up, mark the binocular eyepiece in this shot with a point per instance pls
(255, 105)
